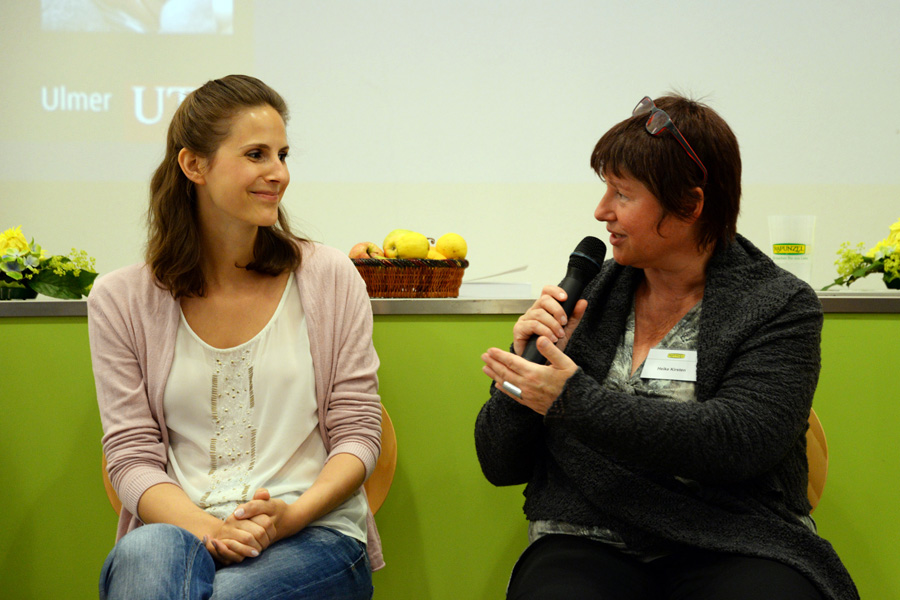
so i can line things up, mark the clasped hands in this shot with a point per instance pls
(540, 385)
(249, 530)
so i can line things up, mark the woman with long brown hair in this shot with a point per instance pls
(236, 377)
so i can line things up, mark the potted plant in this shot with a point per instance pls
(883, 258)
(26, 270)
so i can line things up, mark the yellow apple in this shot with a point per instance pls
(412, 245)
(452, 245)
(435, 255)
(390, 242)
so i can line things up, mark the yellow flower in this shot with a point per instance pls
(883, 245)
(892, 265)
(12, 239)
(852, 264)
(850, 259)
(894, 237)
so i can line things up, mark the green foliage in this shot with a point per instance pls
(883, 258)
(25, 265)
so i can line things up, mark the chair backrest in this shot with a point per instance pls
(379, 482)
(817, 457)
(377, 486)
(110, 492)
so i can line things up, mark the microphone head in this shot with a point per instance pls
(588, 256)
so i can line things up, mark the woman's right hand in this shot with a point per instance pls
(228, 541)
(236, 540)
(546, 317)
(240, 538)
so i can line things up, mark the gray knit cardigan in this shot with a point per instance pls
(609, 459)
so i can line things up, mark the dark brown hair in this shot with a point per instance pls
(666, 169)
(201, 123)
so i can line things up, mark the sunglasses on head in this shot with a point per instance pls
(659, 121)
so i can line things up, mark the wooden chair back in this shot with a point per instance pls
(817, 457)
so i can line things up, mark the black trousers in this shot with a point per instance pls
(567, 567)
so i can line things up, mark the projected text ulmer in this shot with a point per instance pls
(58, 98)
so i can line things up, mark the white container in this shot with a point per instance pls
(792, 239)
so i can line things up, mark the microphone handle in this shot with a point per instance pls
(573, 287)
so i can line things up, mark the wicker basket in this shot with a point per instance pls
(411, 278)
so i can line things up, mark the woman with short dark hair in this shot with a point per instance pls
(664, 442)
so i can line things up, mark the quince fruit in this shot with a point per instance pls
(451, 245)
(435, 255)
(410, 245)
(390, 242)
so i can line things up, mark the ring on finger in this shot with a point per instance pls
(512, 390)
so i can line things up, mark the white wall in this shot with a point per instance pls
(470, 116)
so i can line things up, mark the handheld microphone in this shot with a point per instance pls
(584, 264)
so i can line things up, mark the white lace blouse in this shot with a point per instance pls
(244, 418)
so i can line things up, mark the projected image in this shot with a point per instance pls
(139, 16)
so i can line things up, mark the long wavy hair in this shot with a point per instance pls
(200, 124)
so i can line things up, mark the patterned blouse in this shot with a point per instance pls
(683, 336)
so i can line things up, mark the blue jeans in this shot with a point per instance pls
(164, 561)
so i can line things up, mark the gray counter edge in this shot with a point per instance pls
(832, 302)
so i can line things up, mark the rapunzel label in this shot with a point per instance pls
(788, 249)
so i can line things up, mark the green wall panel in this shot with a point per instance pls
(57, 525)
(447, 533)
(857, 401)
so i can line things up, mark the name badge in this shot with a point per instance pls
(665, 363)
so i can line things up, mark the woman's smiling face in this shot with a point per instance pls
(244, 181)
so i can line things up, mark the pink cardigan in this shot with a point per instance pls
(132, 325)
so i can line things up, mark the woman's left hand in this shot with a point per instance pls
(541, 385)
(265, 512)
(259, 518)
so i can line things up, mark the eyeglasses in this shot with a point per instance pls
(660, 121)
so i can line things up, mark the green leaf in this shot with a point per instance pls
(838, 281)
(85, 281)
(12, 274)
(11, 284)
(50, 284)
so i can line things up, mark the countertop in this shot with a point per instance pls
(832, 302)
